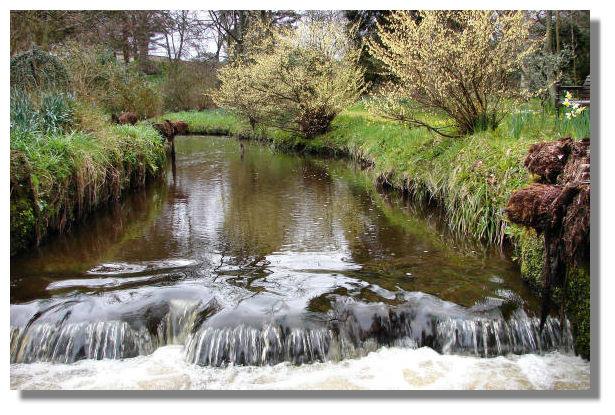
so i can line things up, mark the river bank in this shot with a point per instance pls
(57, 180)
(471, 178)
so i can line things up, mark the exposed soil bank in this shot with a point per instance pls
(56, 181)
(471, 178)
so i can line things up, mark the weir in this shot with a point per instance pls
(350, 330)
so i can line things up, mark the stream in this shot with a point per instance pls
(255, 269)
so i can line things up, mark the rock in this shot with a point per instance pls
(127, 118)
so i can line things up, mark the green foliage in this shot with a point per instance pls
(37, 70)
(56, 179)
(96, 77)
(53, 115)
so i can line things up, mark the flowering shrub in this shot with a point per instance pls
(457, 64)
(296, 79)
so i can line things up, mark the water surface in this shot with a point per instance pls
(240, 259)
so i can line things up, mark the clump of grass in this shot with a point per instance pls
(56, 112)
(57, 179)
(576, 127)
(23, 115)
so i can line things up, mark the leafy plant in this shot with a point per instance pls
(56, 112)
(296, 79)
(23, 116)
(455, 64)
(52, 115)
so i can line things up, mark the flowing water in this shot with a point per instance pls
(255, 269)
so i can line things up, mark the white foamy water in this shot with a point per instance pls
(387, 368)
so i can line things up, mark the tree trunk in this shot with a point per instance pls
(548, 35)
(549, 49)
(557, 30)
(143, 36)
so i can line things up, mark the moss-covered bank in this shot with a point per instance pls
(529, 251)
(472, 178)
(56, 180)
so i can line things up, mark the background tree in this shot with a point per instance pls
(231, 27)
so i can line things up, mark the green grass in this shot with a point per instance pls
(210, 122)
(58, 179)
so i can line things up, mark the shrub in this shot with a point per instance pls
(295, 79)
(457, 64)
(36, 70)
(96, 77)
(130, 91)
(187, 86)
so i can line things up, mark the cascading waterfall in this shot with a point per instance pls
(67, 343)
(351, 329)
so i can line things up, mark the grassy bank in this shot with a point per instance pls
(57, 179)
(472, 178)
